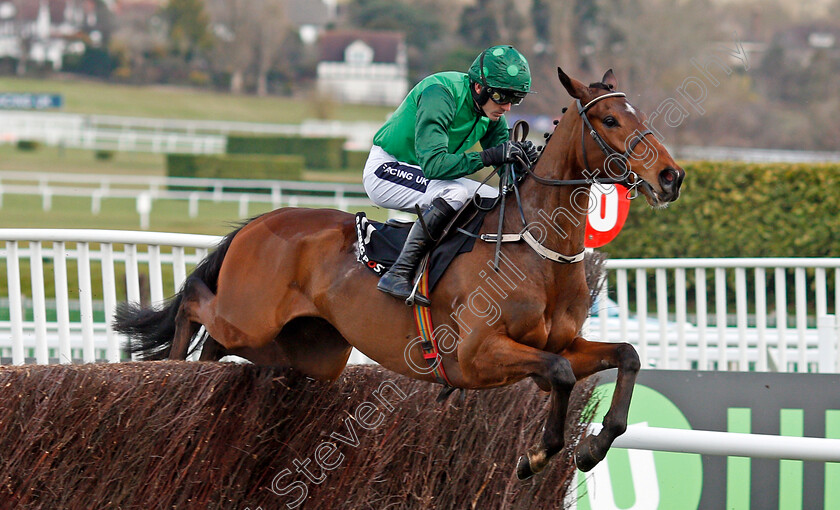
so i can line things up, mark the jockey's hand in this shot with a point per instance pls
(508, 152)
(530, 151)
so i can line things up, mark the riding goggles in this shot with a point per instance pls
(502, 96)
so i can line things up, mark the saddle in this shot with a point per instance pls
(379, 244)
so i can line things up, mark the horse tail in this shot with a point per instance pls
(151, 330)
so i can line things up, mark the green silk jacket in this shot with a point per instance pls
(436, 124)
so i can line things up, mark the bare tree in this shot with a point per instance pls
(249, 35)
(271, 30)
(25, 32)
(233, 48)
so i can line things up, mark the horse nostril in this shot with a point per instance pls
(668, 178)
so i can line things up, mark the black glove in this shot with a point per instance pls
(530, 151)
(507, 152)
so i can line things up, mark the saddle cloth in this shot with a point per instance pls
(379, 244)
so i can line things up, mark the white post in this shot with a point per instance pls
(144, 207)
(86, 303)
(720, 313)
(602, 312)
(193, 201)
(243, 205)
(155, 274)
(820, 291)
(132, 274)
(700, 298)
(641, 314)
(96, 201)
(109, 293)
(15, 301)
(36, 266)
(276, 197)
(179, 267)
(761, 318)
(623, 305)
(62, 302)
(827, 332)
(46, 199)
(679, 279)
(801, 319)
(741, 315)
(781, 316)
(662, 314)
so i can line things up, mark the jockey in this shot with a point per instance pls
(419, 156)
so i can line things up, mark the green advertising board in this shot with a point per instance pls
(759, 403)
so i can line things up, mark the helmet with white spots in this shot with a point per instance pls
(502, 67)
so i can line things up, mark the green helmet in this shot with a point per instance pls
(503, 68)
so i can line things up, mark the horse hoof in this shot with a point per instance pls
(523, 468)
(584, 460)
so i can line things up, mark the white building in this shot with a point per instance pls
(369, 67)
(43, 31)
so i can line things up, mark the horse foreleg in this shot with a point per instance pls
(554, 430)
(503, 359)
(588, 358)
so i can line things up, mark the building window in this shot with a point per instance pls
(358, 53)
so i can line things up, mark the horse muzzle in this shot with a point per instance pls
(670, 181)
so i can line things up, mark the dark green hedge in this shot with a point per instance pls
(226, 166)
(740, 210)
(28, 145)
(317, 152)
(355, 160)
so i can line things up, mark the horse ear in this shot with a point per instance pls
(575, 88)
(609, 80)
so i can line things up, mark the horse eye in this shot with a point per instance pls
(610, 122)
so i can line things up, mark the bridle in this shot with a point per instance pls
(509, 182)
(611, 154)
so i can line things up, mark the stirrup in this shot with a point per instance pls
(411, 299)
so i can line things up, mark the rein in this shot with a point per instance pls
(509, 182)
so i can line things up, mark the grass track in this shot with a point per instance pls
(94, 97)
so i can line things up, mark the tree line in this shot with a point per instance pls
(783, 96)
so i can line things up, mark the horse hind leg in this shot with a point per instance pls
(313, 346)
(195, 296)
(588, 358)
(310, 345)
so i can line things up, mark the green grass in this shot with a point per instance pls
(81, 161)
(25, 211)
(54, 159)
(93, 97)
(20, 211)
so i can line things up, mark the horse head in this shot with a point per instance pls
(616, 143)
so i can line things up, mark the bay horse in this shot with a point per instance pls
(287, 287)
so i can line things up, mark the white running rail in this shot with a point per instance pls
(725, 313)
(146, 190)
(142, 134)
(62, 287)
(709, 442)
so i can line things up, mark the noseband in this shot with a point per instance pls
(509, 180)
(609, 152)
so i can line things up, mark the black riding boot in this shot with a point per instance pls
(398, 280)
